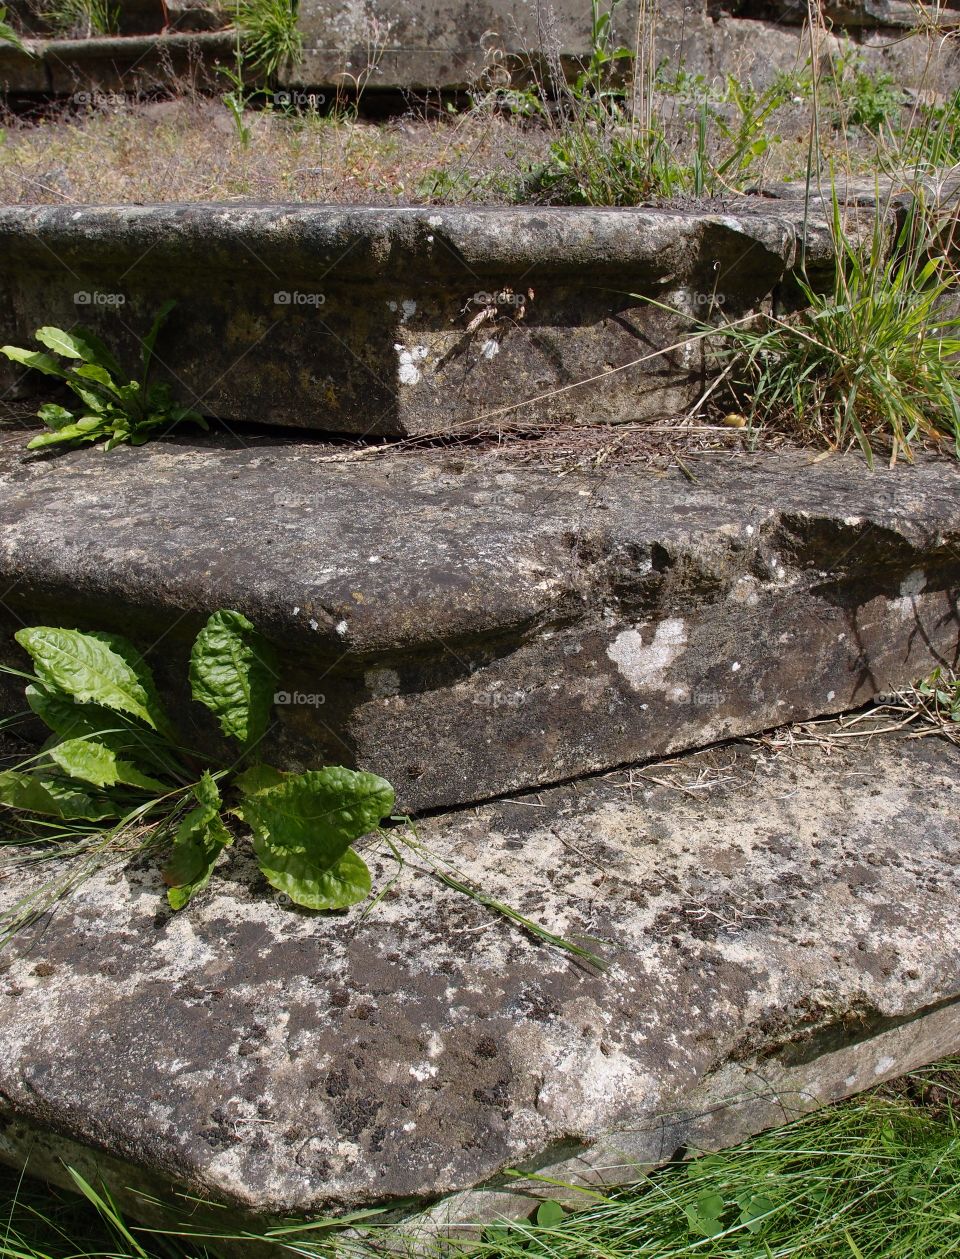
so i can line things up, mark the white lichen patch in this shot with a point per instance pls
(408, 373)
(644, 664)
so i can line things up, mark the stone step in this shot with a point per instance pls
(468, 625)
(408, 321)
(415, 44)
(781, 928)
(107, 70)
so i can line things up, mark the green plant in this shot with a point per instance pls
(8, 35)
(236, 100)
(111, 410)
(747, 135)
(111, 738)
(864, 97)
(82, 18)
(115, 770)
(935, 141)
(601, 153)
(941, 693)
(875, 356)
(269, 34)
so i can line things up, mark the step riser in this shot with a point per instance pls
(372, 322)
(466, 631)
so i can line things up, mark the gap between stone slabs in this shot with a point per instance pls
(781, 928)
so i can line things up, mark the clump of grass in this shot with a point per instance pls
(873, 1178)
(866, 97)
(601, 152)
(8, 34)
(934, 141)
(870, 1178)
(82, 18)
(269, 35)
(875, 358)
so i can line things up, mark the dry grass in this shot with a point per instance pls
(188, 149)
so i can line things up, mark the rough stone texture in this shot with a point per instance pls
(365, 320)
(439, 45)
(551, 625)
(782, 931)
(445, 43)
(131, 64)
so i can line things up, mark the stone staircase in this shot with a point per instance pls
(553, 668)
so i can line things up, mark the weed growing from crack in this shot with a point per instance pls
(874, 358)
(111, 410)
(115, 778)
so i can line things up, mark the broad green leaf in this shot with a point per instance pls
(41, 362)
(755, 1210)
(705, 1215)
(103, 382)
(233, 671)
(54, 416)
(87, 429)
(97, 764)
(60, 342)
(98, 668)
(64, 437)
(259, 778)
(70, 720)
(201, 838)
(320, 812)
(303, 828)
(94, 351)
(293, 872)
(549, 1214)
(92, 398)
(40, 793)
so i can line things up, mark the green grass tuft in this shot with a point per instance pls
(877, 1177)
(876, 358)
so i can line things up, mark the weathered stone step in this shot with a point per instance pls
(782, 930)
(406, 321)
(468, 625)
(422, 45)
(93, 70)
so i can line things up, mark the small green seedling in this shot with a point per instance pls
(110, 410)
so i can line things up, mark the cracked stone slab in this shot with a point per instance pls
(467, 626)
(781, 930)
